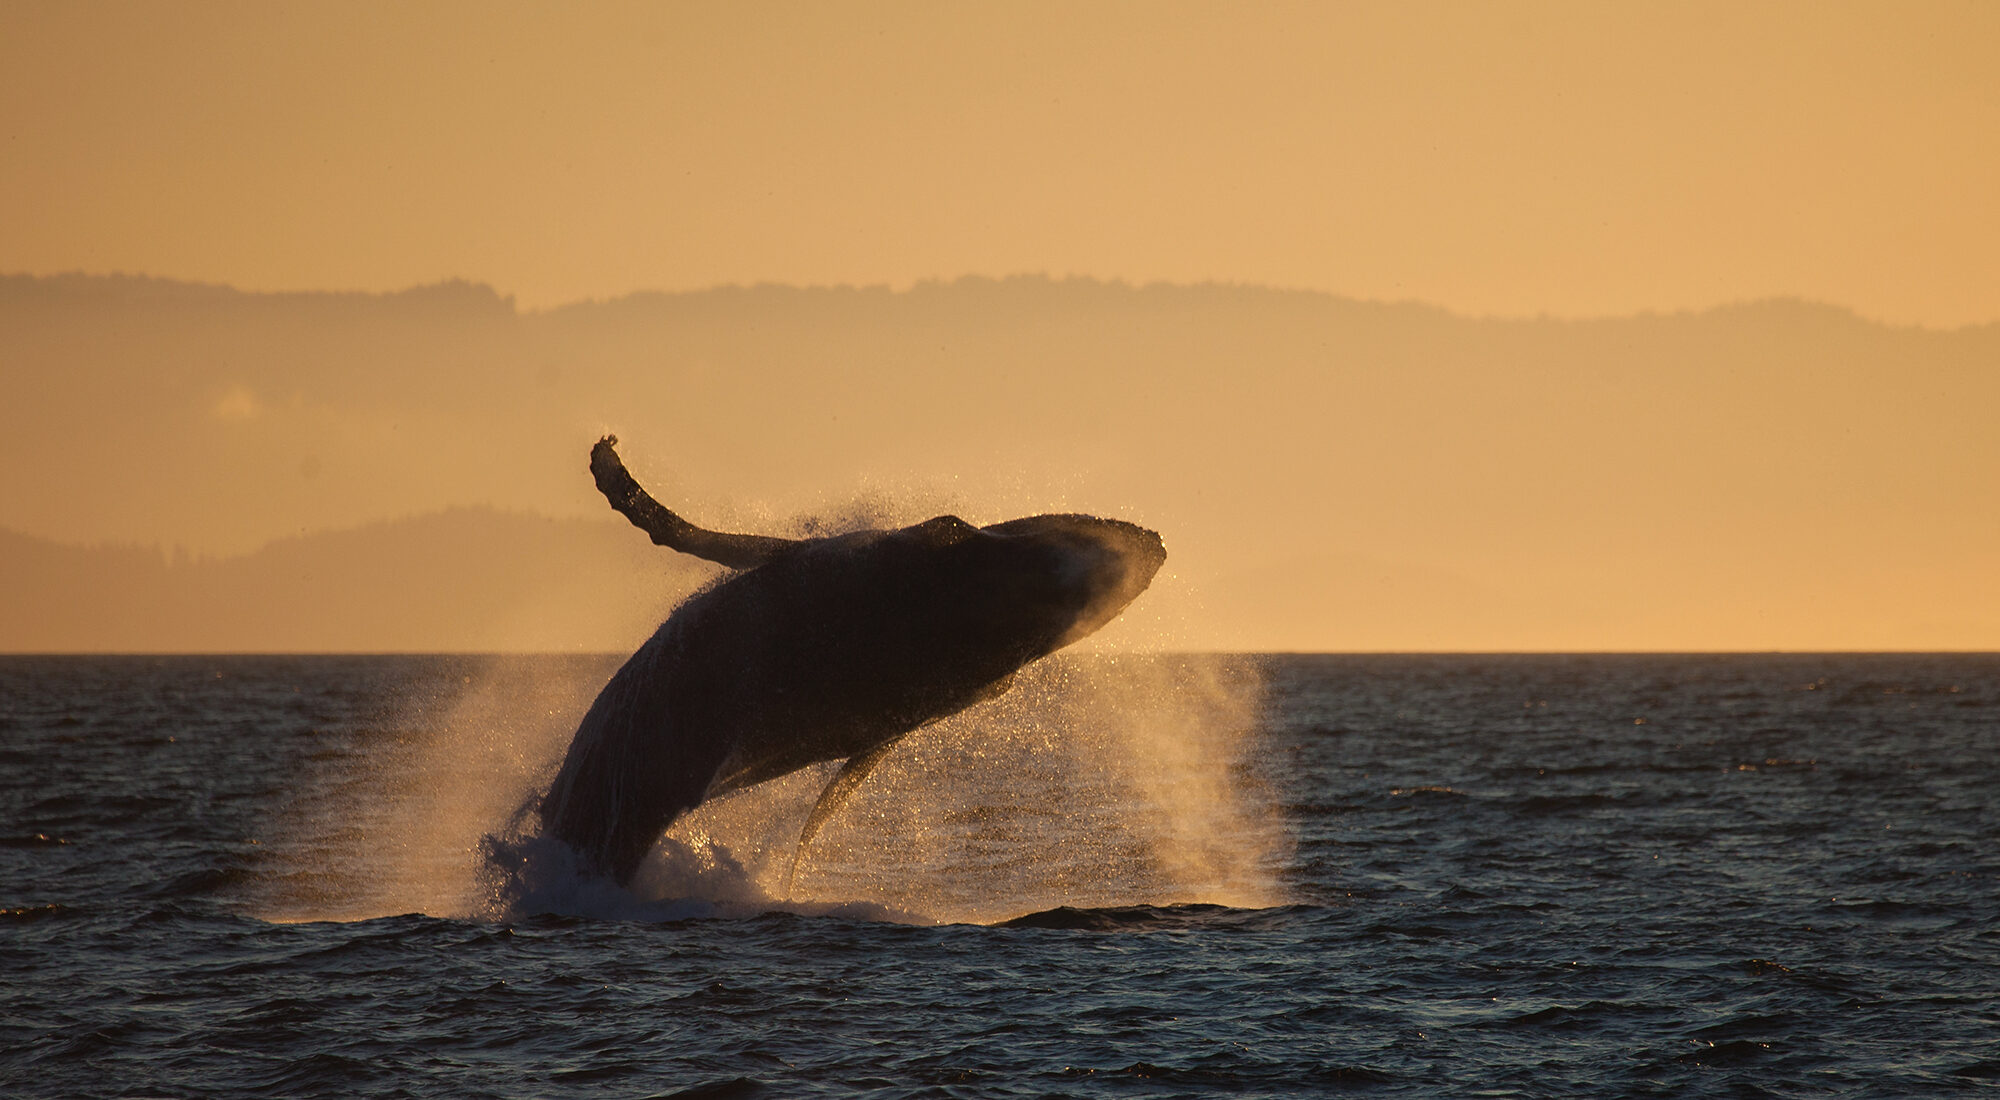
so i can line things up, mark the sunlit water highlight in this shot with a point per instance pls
(1440, 876)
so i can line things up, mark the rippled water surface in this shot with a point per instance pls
(1438, 876)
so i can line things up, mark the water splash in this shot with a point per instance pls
(527, 873)
(390, 817)
(1099, 780)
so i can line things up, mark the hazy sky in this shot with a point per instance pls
(1336, 476)
(1570, 158)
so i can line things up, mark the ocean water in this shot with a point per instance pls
(1380, 875)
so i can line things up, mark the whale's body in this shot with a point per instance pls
(822, 649)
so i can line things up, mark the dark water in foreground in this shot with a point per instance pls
(1439, 876)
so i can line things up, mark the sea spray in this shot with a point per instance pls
(1106, 779)
(391, 817)
(1099, 779)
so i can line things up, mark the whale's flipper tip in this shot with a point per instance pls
(629, 499)
(837, 791)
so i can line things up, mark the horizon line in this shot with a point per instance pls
(1122, 651)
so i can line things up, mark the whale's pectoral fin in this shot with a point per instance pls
(833, 798)
(664, 527)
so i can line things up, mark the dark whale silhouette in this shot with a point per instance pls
(821, 649)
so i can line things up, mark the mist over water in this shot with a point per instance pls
(397, 825)
(1099, 779)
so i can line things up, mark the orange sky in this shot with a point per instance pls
(1330, 475)
(1576, 159)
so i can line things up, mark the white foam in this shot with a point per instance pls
(531, 874)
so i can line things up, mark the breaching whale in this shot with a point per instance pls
(821, 649)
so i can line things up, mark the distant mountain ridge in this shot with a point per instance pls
(466, 580)
(473, 297)
(450, 294)
(1329, 473)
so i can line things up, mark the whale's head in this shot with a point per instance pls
(1034, 585)
(1089, 567)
